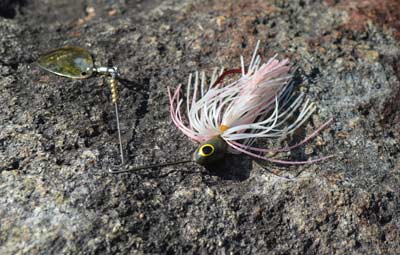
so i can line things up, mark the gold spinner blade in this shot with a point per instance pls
(69, 61)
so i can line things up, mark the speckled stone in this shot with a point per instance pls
(58, 136)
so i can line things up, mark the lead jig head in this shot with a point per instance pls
(77, 63)
(210, 151)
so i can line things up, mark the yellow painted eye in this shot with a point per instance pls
(206, 150)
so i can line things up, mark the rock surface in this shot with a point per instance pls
(58, 136)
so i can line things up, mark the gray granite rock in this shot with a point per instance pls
(58, 136)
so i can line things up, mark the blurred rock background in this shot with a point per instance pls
(58, 136)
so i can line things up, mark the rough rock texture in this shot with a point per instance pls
(58, 136)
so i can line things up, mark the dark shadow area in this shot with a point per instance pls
(234, 167)
(143, 87)
(9, 8)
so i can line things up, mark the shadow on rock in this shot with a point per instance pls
(234, 167)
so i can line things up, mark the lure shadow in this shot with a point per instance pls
(234, 167)
(130, 84)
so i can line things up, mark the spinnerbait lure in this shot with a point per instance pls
(230, 118)
(77, 63)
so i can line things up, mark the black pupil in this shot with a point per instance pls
(207, 150)
(83, 73)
